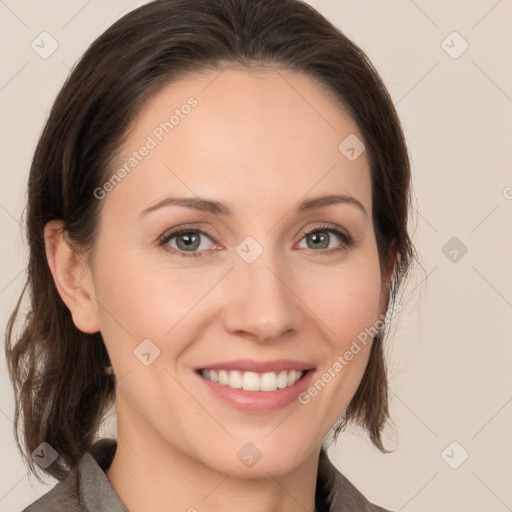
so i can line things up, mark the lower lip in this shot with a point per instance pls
(258, 401)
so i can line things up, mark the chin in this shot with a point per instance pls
(257, 459)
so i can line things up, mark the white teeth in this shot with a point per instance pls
(268, 382)
(282, 380)
(251, 381)
(235, 380)
(223, 377)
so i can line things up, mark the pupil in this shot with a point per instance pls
(189, 240)
(320, 237)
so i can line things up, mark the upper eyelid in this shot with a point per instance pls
(324, 227)
(185, 229)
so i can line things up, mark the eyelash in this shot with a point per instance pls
(347, 241)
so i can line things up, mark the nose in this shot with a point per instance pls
(260, 302)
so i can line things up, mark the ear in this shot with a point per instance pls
(72, 277)
(386, 277)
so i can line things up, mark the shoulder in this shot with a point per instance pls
(85, 487)
(338, 493)
(63, 497)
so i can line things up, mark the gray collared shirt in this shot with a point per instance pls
(86, 488)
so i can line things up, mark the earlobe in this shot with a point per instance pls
(72, 277)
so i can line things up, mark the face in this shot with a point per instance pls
(259, 279)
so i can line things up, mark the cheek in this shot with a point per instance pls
(345, 299)
(139, 300)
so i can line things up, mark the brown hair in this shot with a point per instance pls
(57, 371)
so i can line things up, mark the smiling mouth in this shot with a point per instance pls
(252, 381)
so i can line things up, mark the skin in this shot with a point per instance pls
(258, 141)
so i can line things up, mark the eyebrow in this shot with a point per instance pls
(206, 205)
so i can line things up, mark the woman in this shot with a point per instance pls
(217, 225)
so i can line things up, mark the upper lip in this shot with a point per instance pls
(250, 365)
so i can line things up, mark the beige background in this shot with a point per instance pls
(450, 357)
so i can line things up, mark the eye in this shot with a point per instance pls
(190, 243)
(187, 241)
(320, 238)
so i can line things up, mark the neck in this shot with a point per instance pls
(149, 474)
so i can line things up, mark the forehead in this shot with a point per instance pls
(241, 135)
